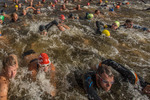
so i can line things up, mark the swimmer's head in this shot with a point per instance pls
(10, 66)
(115, 25)
(44, 62)
(62, 17)
(5, 5)
(106, 32)
(41, 28)
(111, 9)
(117, 6)
(129, 23)
(97, 12)
(14, 17)
(118, 23)
(90, 16)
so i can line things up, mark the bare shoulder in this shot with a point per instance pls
(30, 57)
(3, 88)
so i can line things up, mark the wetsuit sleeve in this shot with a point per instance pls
(88, 86)
(140, 27)
(126, 73)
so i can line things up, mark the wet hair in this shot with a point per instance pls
(8, 61)
(96, 11)
(104, 69)
(128, 21)
(13, 14)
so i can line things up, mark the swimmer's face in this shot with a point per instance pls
(15, 17)
(44, 33)
(64, 6)
(98, 12)
(114, 26)
(24, 12)
(39, 3)
(45, 68)
(78, 6)
(19, 5)
(129, 25)
(11, 71)
(105, 81)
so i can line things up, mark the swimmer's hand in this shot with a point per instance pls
(147, 89)
(53, 93)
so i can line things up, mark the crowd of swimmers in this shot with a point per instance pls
(101, 76)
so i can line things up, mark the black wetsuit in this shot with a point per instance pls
(90, 79)
(49, 25)
(136, 27)
(100, 27)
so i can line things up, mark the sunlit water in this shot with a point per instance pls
(79, 48)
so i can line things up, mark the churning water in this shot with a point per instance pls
(78, 48)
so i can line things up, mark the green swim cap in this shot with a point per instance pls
(2, 17)
(118, 23)
(90, 16)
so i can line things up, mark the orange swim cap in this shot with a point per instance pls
(117, 6)
(62, 17)
(127, 3)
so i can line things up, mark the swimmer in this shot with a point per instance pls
(15, 17)
(63, 7)
(5, 5)
(9, 71)
(38, 63)
(130, 24)
(16, 7)
(101, 26)
(73, 16)
(98, 14)
(39, 4)
(77, 8)
(36, 11)
(102, 79)
(58, 22)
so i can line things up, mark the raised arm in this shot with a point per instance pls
(88, 86)
(30, 8)
(126, 73)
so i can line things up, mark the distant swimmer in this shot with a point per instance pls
(130, 24)
(37, 63)
(58, 22)
(9, 71)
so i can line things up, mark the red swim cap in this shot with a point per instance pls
(88, 4)
(53, 5)
(62, 17)
(43, 60)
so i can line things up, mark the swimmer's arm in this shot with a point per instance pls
(33, 70)
(7, 16)
(53, 80)
(31, 8)
(3, 90)
(88, 86)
